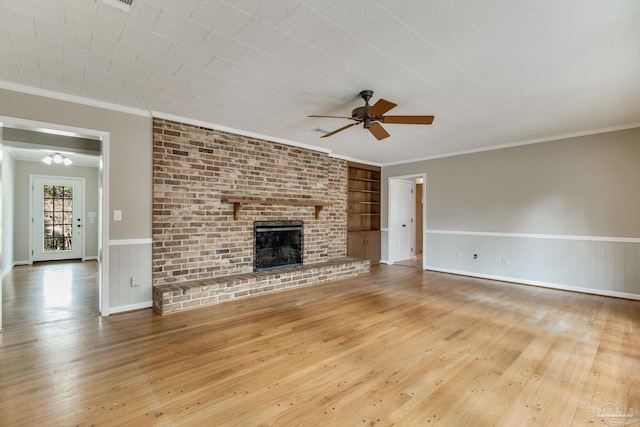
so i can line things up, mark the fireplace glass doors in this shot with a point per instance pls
(277, 244)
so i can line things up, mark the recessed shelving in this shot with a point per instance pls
(363, 197)
(363, 211)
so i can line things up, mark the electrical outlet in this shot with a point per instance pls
(505, 262)
(135, 281)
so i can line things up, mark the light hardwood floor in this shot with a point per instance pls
(413, 263)
(397, 347)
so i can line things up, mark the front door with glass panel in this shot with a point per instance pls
(56, 224)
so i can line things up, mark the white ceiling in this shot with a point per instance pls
(493, 72)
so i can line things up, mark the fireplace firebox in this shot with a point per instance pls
(277, 244)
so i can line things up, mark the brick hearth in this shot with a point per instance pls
(198, 293)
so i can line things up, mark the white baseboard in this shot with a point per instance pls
(130, 307)
(558, 286)
(385, 261)
(90, 258)
(7, 271)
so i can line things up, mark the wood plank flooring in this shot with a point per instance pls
(398, 347)
(50, 292)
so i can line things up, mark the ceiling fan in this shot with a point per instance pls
(372, 115)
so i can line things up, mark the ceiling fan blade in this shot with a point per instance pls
(381, 107)
(339, 130)
(378, 131)
(333, 117)
(408, 120)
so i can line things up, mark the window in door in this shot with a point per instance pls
(58, 218)
(56, 225)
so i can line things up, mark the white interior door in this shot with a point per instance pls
(400, 220)
(56, 222)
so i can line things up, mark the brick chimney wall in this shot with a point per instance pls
(195, 235)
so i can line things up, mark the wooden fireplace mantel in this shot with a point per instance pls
(239, 201)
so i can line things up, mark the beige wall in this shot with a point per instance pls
(130, 172)
(561, 214)
(23, 170)
(579, 186)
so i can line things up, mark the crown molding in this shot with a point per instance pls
(72, 98)
(209, 125)
(519, 143)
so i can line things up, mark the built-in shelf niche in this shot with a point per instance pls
(363, 211)
(363, 198)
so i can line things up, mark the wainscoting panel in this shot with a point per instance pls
(129, 261)
(599, 265)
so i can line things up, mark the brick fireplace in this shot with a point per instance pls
(199, 234)
(277, 244)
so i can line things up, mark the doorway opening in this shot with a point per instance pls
(57, 228)
(406, 220)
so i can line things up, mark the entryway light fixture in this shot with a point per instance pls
(57, 158)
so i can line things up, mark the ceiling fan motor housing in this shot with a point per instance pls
(360, 112)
